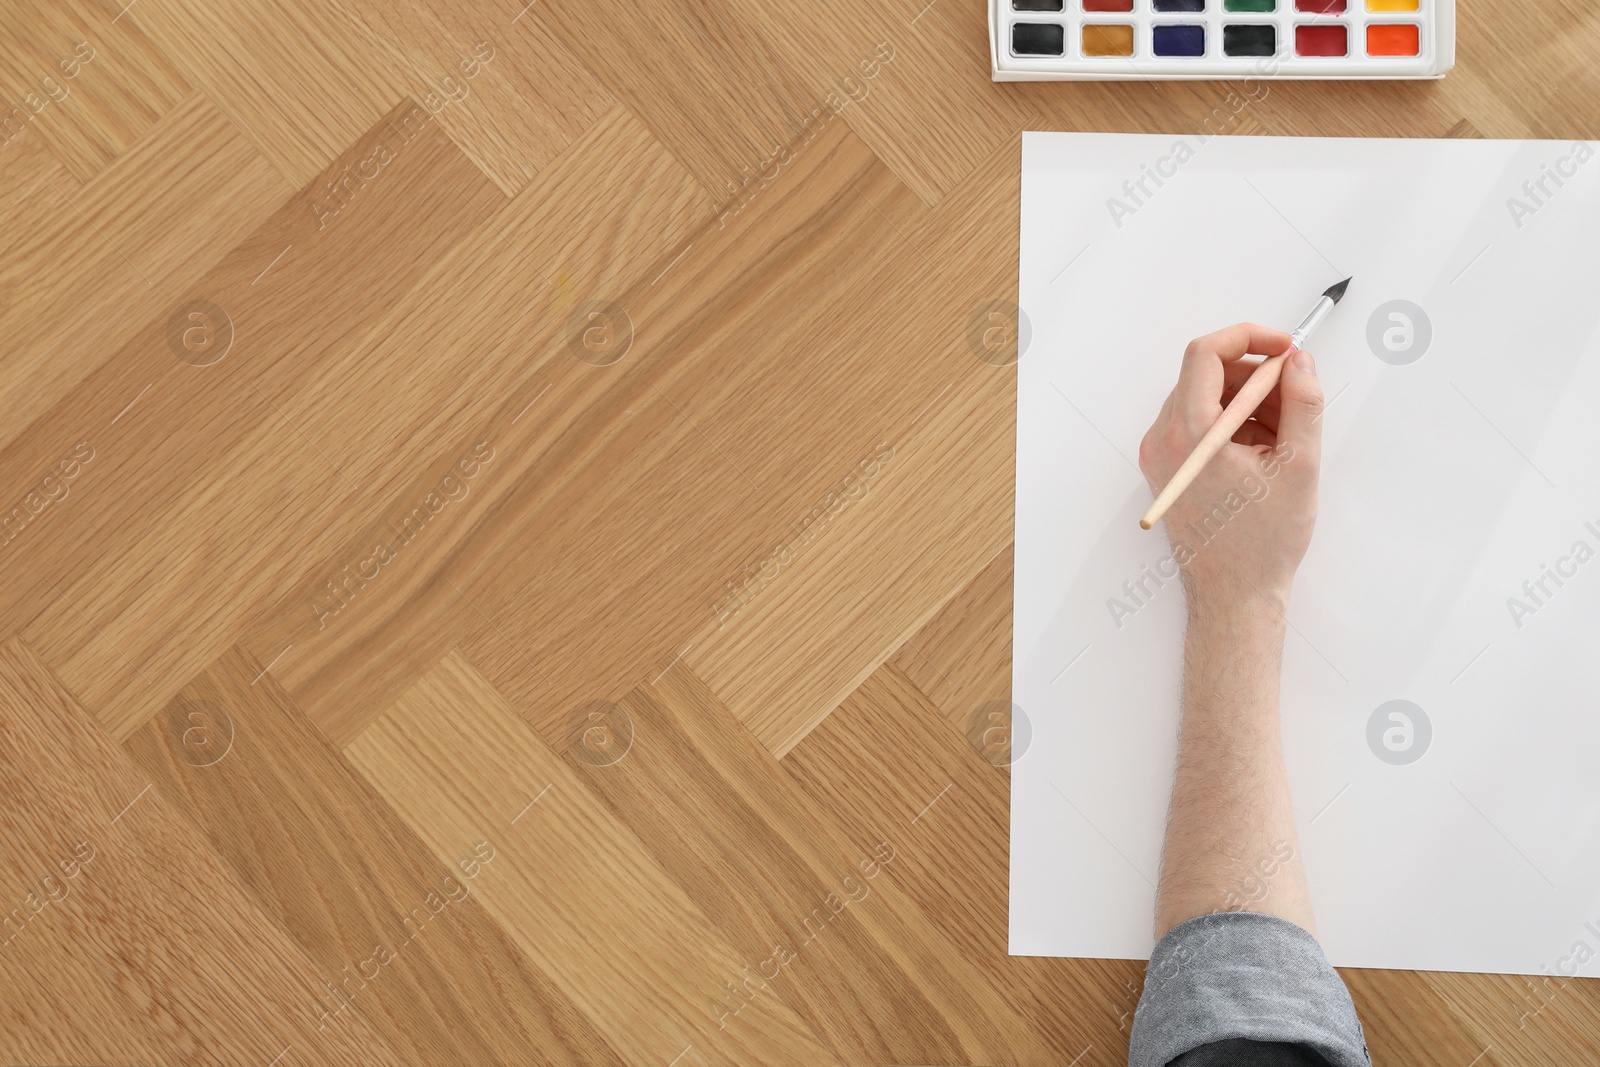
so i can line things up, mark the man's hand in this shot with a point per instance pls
(1244, 525)
(1238, 533)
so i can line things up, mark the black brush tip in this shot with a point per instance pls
(1336, 292)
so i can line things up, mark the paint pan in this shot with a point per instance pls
(1182, 39)
(1038, 38)
(1153, 40)
(1113, 40)
(1249, 39)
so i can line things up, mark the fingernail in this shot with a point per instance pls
(1302, 359)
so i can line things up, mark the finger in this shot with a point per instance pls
(1254, 433)
(1300, 417)
(1245, 338)
(1237, 372)
(1197, 398)
(1268, 412)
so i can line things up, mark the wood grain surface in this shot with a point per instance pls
(507, 531)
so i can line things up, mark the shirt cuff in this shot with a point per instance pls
(1241, 975)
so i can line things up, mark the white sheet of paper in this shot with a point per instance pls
(1449, 480)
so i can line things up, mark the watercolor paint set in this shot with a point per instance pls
(1156, 40)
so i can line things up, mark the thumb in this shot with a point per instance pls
(1300, 419)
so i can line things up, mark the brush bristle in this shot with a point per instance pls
(1336, 292)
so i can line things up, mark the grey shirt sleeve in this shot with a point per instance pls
(1240, 988)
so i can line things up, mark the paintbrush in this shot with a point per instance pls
(1243, 405)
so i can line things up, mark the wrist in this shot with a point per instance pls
(1232, 658)
(1252, 617)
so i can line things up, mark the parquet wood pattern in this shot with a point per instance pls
(553, 604)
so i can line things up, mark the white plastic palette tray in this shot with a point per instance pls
(1434, 19)
(1455, 567)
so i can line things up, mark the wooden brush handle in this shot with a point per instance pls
(1243, 405)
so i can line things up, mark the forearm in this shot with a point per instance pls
(1230, 841)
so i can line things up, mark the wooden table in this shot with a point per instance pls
(510, 509)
